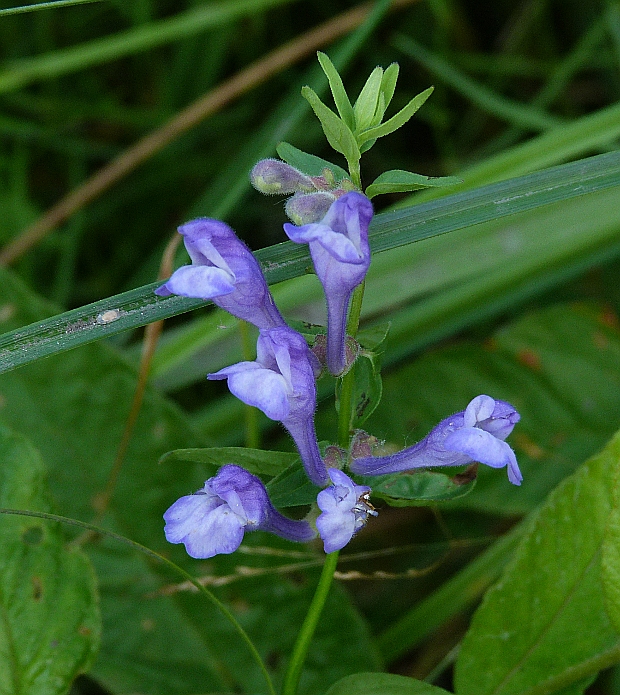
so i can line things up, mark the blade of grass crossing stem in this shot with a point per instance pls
(283, 261)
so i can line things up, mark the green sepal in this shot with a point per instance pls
(339, 93)
(418, 488)
(256, 461)
(366, 105)
(397, 120)
(338, 134)
(399, 181)
(308, 164)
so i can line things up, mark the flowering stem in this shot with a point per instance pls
(298, 657)
(345, 401)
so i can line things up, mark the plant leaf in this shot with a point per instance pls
(399, 181)
(336, 131)
(382, 684)
(257, 461)
(529, 631)
(366, 104)
(338, 91)
(417, 488)
(398, 120)
(48, 593)
(308, 163)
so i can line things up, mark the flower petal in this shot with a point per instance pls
(480, 408)
(262, 388)
(200, 281)
(480, 446)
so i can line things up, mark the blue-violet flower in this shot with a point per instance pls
(281, 383)
(345, 510)
(213, 520)
(225, 271)
(474, 434)
(341, 256)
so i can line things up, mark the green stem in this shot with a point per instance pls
(252, 428)
(298, 657)
(345, 400)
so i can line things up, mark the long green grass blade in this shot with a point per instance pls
(182, 25)
(55, 4)
(287, 260)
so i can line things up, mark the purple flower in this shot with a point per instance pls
(345, 509)
(341, 255)
(281, 383)
(225, 271)
(475, 434)
(213, 520)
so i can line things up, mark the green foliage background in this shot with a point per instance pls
(510, 290)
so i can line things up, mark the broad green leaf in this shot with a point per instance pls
(397, 181)
(611, 556)
(309, 164)
(383, 684)
(544, 624)
(336, 131)
(338, 91)
(50, 627)
(418, 488)
(366, 104)
(256, 461)
(398, 120)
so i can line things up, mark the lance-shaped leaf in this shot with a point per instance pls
(397, 120)
(419, 488)
(336, 131)
(388, 85)
(339, 93)
(383, 684)
(399, 181)
(309, 164)
(366, 105)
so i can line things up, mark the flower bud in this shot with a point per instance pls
(273, 177)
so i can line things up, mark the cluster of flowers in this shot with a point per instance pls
(281, 383)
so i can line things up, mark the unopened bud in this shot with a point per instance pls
(272, 177)
(305, 209)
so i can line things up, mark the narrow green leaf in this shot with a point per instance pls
(397, 181)
(338, 91)
(256, 461)
(336, 131)
(383, 684)
(398, 120)
(528, 635)
(379, 111)
(309, 164)
(388, 83)
(136, 40)
(50, 627)
(418, 488)
(53, 4)
(366, 104)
